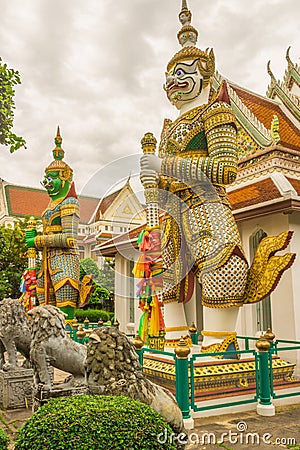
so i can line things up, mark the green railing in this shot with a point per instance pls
(277, 347)
(260, 350)
(200, 356)
(262, 355)
(80, 331)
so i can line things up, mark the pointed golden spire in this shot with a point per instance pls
(188, 35)
(184, 5)
(58, 152)
(185, 15)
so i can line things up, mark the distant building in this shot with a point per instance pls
(100, 219)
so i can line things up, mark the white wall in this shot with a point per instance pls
(282, 299)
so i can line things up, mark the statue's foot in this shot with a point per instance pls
(228, 344)
(8, 366)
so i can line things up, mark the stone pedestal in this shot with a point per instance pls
(16, 388)
(41, 394)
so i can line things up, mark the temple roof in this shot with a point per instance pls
(264, 109)
(253, 194)
(23, 201)
(106, 202)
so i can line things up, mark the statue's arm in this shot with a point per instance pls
(68, 237)
(220, 166)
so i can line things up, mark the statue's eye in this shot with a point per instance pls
(49, 179)
(179, 72)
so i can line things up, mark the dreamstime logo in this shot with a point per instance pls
(113, 176)
(239, 436)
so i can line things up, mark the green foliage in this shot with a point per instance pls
(13, 260)
(93, 423)
(8, 79)
(92, 314)
(111, 316)
(100, 294)
(89, 267)
(107, 275)
(4, 440)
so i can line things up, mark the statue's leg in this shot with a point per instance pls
(222, 294)
(66, 300)
(65, 269)
(40, 290)
(38, 357)
(10, 347)
(174, 314)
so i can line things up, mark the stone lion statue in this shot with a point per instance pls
(113, 368)
(15, 335)
(42, 339)
(51, 346)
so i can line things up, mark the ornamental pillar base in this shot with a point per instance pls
(265, 410)
(16, 388)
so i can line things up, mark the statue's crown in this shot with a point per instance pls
(58, 165)
(187, 37)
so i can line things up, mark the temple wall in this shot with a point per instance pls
(283, 328)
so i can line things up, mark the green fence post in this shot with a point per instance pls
(80, 334)
(194, 334)
(75, 328)
(270, 336)
(182, 352)
(86, 323)
(138, 345)
(265, 406)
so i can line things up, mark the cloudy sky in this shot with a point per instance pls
(96, 68)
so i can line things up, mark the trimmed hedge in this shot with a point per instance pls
(93, 422)
(4, 440)
(92, 314)
(111, 316)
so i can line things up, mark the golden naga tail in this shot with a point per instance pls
(266, 269)
(86, 288)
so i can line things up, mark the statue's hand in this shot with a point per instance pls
(150, 162)
(29, 238)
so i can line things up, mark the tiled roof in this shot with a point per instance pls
(295, 183)
(264, 109)
(24, 201)
(253, 194)
(105, 203)
(123, 238)
(87, 207)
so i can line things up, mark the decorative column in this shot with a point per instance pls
(182, 352)
(138, 345)
(194, 334)
(148, 267)
(265, 406)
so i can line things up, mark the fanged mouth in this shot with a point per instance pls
(176, 87)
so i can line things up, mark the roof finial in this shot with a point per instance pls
(58, 152)
(273, 79)
(287, 57)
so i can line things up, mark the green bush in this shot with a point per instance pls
(92, 314)
(4, 439)
(111, 316)
(94, 423)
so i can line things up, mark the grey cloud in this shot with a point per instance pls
(97, 69)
